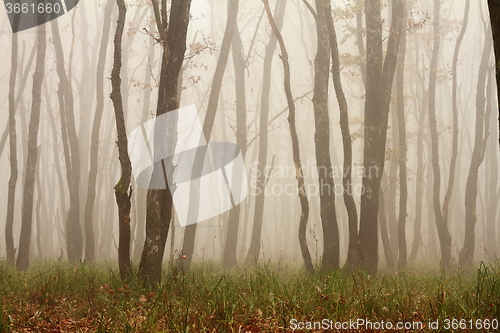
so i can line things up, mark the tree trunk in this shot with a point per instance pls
(494, 9)
(331, 250)
(377, 101)
(417, 235)
(94, 143)
(11, 196)
(403, 182)
(467, 252)
(229, 256)
(441, 225)
(255, 241)
(159, 201)
(187, 250)
(304, 202)
(29, 182)
(353, 249)
(384, 233)
(123, 188)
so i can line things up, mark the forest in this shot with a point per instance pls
(244, 166)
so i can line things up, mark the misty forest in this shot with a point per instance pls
(244, 166)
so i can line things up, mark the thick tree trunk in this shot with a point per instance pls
(230, 252)
(94, 140)
(29, 181)
(442, 227)
(123, 188)
(377, 101)
(304, 202)
(467, 252)
(255, 240)
(159, 201)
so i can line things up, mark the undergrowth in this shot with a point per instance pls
(59, 297)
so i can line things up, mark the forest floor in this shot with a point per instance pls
(59, 297)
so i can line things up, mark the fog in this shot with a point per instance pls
(81, 32)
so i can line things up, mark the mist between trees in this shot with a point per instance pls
(390, 105)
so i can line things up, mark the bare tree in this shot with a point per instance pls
(304, 202)
(74, 241)
(123, 188)
(255, 241)
(29, 180)
(94, 143)
(9, 240)
(495, 30)
(441, 224)
(480, 139)
(229, 255)
(159, 201)
(353, 249)
(379, 76)
(403, 181)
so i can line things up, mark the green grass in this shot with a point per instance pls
(59, 297)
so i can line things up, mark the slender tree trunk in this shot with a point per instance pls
(11, 196)
(74, 242)
(384, 233)
(159, 201)
(187, 250)
(454, 148)
(377, 101)
(492, 203)
(255, 241)
(94, 141)
(442, 227)
(123, 188)
(229, 256)
(353, 249)
(331, 250)
(417, 235)
(304, 202)
(467, 252)
(403, 182)
(29, 182)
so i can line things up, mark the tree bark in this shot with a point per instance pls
(494, 9)
(304, 202)
(255, 241)
(11, 196)
(159, 201)
(29, 181)
(403, 182)
(94, 140)
(74, 241)
(353, 249)
(467, 252)
(441, 225)
(187, 250)
(123, 188)
(331, 250)
(229, 256)
(377, 101)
